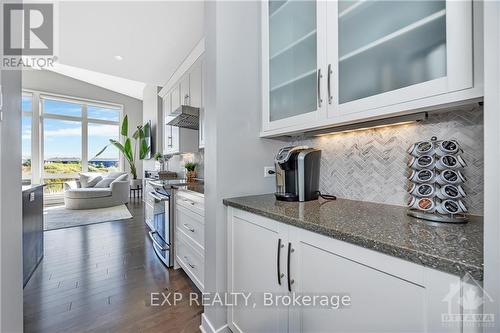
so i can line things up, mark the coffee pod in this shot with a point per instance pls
(450, 177)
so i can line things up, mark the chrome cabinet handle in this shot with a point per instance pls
(192, 203)
(187, 261)
(280, 275)
(320, 76)
(188, 227)
(290, 280)
(330, 98)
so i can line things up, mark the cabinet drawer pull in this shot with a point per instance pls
(290, 280)
(187, 261)
(330, 98)
(188, 227)
(278, 265)
(320, 76)
(192, 203)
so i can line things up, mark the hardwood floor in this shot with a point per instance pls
(98, 278)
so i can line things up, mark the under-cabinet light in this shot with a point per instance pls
(392, 121)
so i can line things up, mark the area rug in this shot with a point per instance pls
(59, 217)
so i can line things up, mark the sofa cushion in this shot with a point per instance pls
(86, 177)
(104, 183)
(93, 182)
(88, 193)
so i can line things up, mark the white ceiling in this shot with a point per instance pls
(152, 37)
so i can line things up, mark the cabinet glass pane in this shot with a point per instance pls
(292, 58)
(377, 55)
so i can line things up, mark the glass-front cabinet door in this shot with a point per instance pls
(293, 54)
(396, 51)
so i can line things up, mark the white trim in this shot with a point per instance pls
(193, 56)
(492, 159)
(72, 99)
(207, 327)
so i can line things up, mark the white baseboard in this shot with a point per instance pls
(207, 327)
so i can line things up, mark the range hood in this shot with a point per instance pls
(186, 117)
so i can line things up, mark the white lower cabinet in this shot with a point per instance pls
(386, 294)
(190, 236)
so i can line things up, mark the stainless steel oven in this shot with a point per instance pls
(159, 217)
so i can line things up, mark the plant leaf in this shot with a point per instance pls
(144, 149)
(124, 130)
(100, 152)
(128, 150)
(119, 146)
(137, 133)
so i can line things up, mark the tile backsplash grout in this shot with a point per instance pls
(371, 165)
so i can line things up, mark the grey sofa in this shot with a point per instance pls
(77, 197)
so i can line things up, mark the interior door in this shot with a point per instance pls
(293, 59)
(389, 52)
(254, 248)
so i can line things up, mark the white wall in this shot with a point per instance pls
(235, 156)
(51, 82)
(492, 160)
(11, 275)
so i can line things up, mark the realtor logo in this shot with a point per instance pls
(471, 301)
(28, 29)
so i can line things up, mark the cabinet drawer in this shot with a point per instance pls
(191, 224)
(190, 260)
(191, 202)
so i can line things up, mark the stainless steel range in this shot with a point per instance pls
(160, 219)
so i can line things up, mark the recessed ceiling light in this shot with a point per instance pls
(118, 57)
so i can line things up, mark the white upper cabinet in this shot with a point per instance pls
(330, 62)
(293, 54)
(184, 89)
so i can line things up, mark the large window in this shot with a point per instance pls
(71, 133)
(27, 110)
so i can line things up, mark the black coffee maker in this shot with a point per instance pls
(297, 173)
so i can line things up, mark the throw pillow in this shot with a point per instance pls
(86, 177)
(94, 181)
(114, 175)
(106, 182)
(120, 178)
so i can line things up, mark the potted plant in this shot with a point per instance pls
(131, 154)
(190, 172)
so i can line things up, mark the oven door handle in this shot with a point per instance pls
(151, 233)
(158, 198)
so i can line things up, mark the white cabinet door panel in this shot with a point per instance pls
(253, 268)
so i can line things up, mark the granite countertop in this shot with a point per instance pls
(452, 248)
(197, 185)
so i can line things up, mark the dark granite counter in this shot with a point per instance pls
(197, 186)
(452, 248)
(31, 187)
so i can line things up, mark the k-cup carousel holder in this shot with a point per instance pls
(435, 181)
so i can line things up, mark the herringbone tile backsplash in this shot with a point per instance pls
(371, 165)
